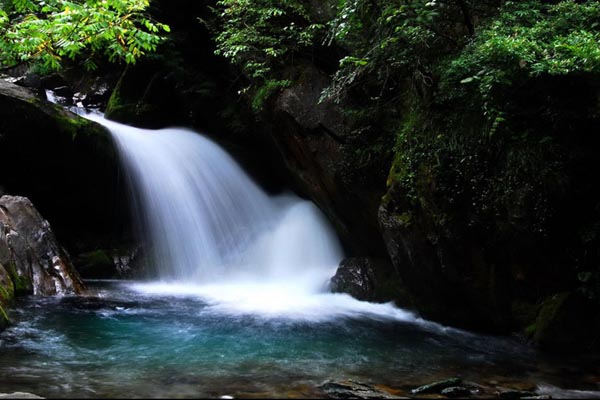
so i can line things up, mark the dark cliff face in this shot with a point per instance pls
(487, 237)
(65, 164)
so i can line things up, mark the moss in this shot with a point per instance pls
(97, 257)
(96, 264)
(549, 313)
(525, 314)
(405, 218)
(22, 285)
(4, 320)
(264, 92)
(7, 294)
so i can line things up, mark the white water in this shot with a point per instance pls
(215, 234)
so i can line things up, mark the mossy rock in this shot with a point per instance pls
(95, 264)
(65, 164)
(567, 322)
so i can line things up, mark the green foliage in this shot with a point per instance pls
(53, 30)
(386, 38)
(259, 35)
(265, 91)
(528, 39)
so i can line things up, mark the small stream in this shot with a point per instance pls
(130, 339)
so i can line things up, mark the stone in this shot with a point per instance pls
(350, 389)
(37, 263)
(355, 276)
(109, 263)
(456, 391)
(19, 395)
(437, 387)
(567, 322)
(514, 394)
(66, 165)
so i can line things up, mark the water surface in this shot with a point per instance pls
(139, 340)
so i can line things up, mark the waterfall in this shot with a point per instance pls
(206, 221)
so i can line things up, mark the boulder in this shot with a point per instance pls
(110, 263)
(437, 387)
(36, 262)
(567, 322)
(354, 276)
(350, 389)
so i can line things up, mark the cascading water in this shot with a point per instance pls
(205, 219)
(213, 232)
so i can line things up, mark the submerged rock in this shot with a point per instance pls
(437, 387)
(456, 391)
(350, 389)
(20, 395)
(515, 394)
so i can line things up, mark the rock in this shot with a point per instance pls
(301, 102)
(370, 279)
(514, 394)
(30, 80)
(456, 391)
(339, 165)
(128, 262)
(19, 395)
(96, 96)
(37, 263)
(109, 264)
(567, 322)
(354, 276)
(350, 389)
(63, 91)
(437, 387)
(66, 165)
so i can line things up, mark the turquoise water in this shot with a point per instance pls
(121, 342)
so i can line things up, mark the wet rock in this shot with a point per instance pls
(109, 263)
(370, 279)
(437, 387)
(567, 321)
(96, 96)
(515, 394)
(29, 80)
(36, 262)
(63, 91)
(350, 389)
(456, 391)
(19, 395)
(354, 276)
(66, 165)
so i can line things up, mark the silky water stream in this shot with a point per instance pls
(236, 303)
